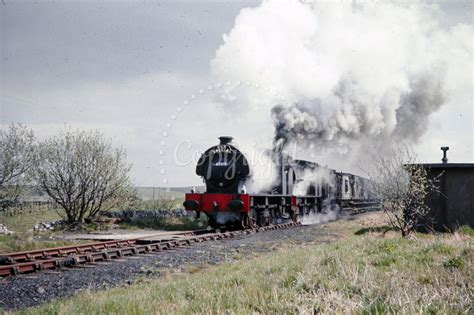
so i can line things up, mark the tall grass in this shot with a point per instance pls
(21, 220)
(27, 241)
(361, 274)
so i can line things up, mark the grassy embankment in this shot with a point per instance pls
(21, 221)
(364, 271)
(23, 238)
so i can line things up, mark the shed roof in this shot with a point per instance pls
(447, 165)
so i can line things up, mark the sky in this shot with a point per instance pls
(142, 73)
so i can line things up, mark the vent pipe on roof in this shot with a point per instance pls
(445, 157)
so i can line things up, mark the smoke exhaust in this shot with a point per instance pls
(445, 154)
(225, 140)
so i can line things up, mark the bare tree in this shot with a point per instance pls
(82, 173)
(402, 185)
(16, 157)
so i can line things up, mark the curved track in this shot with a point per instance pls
(76, 255)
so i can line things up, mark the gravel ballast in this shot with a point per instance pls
(42, 287)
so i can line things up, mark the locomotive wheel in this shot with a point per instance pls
(262, 220)
(212, 223)
(245, 222)
(269, 220)
(252, 224)
(252, 217)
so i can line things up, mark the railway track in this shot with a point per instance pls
(17, 263)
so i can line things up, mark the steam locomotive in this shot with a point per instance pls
(225, 170)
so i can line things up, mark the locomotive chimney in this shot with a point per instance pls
(445, 157)
(225, 140)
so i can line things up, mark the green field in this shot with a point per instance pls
(361, 272)
(153, 193)
(21, 220)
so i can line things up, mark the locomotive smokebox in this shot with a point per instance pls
(223, 167)
(225, 140)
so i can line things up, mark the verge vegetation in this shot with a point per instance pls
(21, 222)
(18, 243)
(364, 271)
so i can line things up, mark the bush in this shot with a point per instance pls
(82, 173)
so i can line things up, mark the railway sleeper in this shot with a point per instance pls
(80, 256)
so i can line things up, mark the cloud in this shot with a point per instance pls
(124, 68)
(134, 113)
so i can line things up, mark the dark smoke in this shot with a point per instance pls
(350, 114)
(426, 97)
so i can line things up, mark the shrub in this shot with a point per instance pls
(82, 173)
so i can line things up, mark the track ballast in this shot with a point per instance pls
(17, 263)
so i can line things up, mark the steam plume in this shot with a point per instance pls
(312, 178)
(349, 114)
(348, 73)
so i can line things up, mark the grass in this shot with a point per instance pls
(22, 220)
(148, 193)
(364, 230)
(158, 204)
(369, 273)
(24, 242)
(466, 230)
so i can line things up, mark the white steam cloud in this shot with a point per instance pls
(346, 73)
(263, 171)
(326, 216)
(312, 178)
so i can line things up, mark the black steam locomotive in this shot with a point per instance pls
(225, 170)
